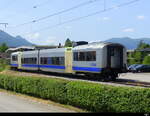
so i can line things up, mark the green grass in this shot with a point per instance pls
(4, 65)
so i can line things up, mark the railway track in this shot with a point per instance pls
(130, 83)
(122, 82)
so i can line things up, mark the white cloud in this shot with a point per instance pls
(33, 36)
(51, 40)
(104, 19)
(141, 17)
(68, 27)
(115, 7)
(129, 30)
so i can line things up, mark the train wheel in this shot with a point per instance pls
(105, 78)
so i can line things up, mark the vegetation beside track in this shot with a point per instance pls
(85, 95)
(4, 64)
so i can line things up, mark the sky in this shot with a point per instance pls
(128, 21)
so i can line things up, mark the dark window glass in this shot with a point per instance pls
(112, 50)
(76, 56)
(85, 56)
(49, 61)
(14, 58)
(29, 60)
(82, 56)
(53, 61)
(62, 61)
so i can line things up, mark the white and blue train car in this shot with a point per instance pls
(88, 58)
(52, 60)
(104, 60)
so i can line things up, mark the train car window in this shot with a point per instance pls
(14, 58)
(29, 60)
(91, 56)
(88, 56)
(57, 61)
(82, 56)
(49, 61)
(76, 56)
(44, 60)
(41, 60)
(112, 51)
(53, 60)
(62, 61)
(85, 56)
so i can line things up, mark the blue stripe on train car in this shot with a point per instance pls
(30, 65)
(52, 66)
(43, 66)
(90, 69)
(15, 65)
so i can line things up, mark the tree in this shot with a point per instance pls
(146, 60)
(68, 43)
(142, 45)
(3, 47)
(132, 61)
(138, 57)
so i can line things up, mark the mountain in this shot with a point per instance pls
(129, 43)
(13, 41)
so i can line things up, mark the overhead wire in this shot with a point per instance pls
(41, 4)
(89, 15)
(58, 13)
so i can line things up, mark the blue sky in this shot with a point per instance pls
(132, 20)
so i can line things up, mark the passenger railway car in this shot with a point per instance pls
(102, 60)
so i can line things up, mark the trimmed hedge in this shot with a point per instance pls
(89, 96)
(52, 89)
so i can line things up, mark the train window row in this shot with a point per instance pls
(85, 56)
(53, 61)
(14, 58)
(29, 60)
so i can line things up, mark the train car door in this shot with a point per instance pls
(115, 57)
(19, 60)
(68, 60)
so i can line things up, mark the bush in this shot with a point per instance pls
(103, 98)
(89, 96)
(146, 60)
(4, 64)
(53, 89)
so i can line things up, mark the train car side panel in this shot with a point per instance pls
(88, 60)
(30, 60)
(52, 60)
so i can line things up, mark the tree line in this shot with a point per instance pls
(3, 47)
(138, 56)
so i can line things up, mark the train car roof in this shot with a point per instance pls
(30, 52)
(53, 50)
(95, 45)
(15, 53)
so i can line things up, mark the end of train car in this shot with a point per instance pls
(102, 60)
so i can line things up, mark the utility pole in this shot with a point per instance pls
(5, 24)
(104, 5)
